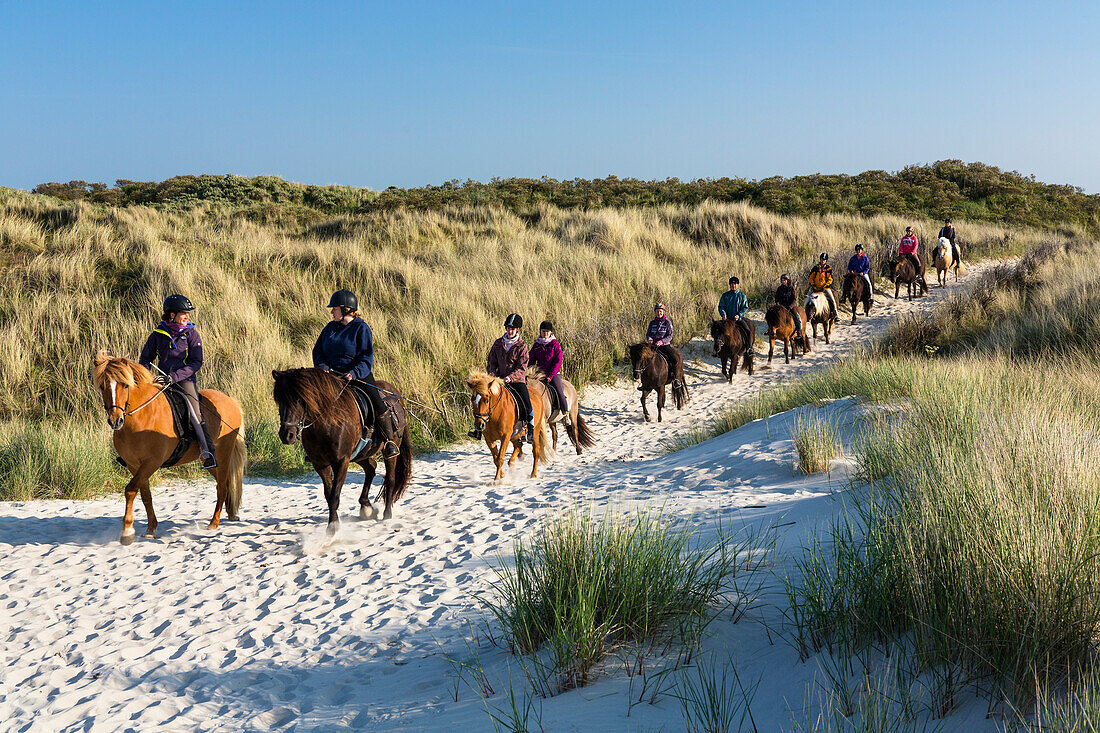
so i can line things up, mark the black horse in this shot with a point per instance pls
(856, 291)
(654, 372)
(320, 409)
(730, 345)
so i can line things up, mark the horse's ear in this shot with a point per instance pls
(102, 357)
(275, 373)
(494, 388)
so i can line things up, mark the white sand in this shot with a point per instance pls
(265, 624)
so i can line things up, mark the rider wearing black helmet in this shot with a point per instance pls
(176, 345)
(508, 360)
(948, 233)
(346, 347)
(786, 296)
(821, 279)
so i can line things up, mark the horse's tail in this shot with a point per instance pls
(404, 464)
(237, 460)
(584, 436)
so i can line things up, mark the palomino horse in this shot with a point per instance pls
(903, 271)
(820, 311)
(319, 408)
(856, 291)
(494, 409)
(729, 345)
(654, 373)
(781, 327)
(145, 437)
(575, 426)
(944, 258)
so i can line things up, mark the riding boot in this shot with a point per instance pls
(206, 446)
(383, 428)
(531, 429)
(475, 434)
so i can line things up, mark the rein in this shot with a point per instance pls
(126, 412)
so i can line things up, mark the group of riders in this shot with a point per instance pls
(345, 346)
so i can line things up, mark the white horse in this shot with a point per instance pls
(819, 310)
(944, 258)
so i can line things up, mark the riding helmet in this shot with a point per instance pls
(859, 247)
(947, 221)
(546, 326)
(343, 299)
(734, 280)
(825, 256)
(660, 306)
(514, 320)
(784, 276)
(177, 304)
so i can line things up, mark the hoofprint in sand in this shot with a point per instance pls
(267, 624)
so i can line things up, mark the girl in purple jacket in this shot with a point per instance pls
(660, 335)
(547, 355)
(177, 347)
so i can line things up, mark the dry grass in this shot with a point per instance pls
(434, 287)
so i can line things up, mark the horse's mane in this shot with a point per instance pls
(321, 393)
(119, 369)
(638, 351)
(480, 382)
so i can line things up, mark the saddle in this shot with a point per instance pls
(367, 417)
(521, 419)
(556, 408)
(181, 422)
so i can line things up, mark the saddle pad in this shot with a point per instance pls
(181, 421)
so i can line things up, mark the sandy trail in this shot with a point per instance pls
(267, 625)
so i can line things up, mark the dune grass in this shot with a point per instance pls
(585, 585)
(817, 444)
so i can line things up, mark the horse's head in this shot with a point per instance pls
(483, 388)
(718, 333)
(641, 356)
(116, 377)
(292, 413)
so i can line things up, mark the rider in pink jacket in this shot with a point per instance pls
(907, 247)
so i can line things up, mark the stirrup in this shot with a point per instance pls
(390, 450)
(208, 459)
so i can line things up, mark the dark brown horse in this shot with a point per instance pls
(729, 345)
(855, 292)
(319, 408)
(653, 372)
(903, 271)
(781, 327)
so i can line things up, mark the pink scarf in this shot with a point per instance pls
(509, 344)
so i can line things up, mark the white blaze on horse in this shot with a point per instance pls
(944, 258)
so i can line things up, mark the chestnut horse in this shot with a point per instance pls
(318, 408)
(856, 291)
(944, 258)
(781, 327)
(729, 345)
(145, 437)
(494, 410)
(575, 426)
(903, 271)
(653, 371)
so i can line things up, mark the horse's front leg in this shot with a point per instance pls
(787, 356)
(139, 479)
(771, 346)
(150, 515)
(335, 476)
(554, 432)
(645, 410)
(370, 470)
(498, 450)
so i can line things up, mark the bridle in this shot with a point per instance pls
(481, 421)
(125, 409)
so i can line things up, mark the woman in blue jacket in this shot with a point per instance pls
(176, 345)
(346, 348)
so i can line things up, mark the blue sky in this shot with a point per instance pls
(409, 93)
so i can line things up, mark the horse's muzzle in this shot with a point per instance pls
(288, 434)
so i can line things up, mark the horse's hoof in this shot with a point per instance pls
(150, 535)
(211, 526)
(331, 529)
(367, 512)
(234, 517)
(388, 514)
(127, 539)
